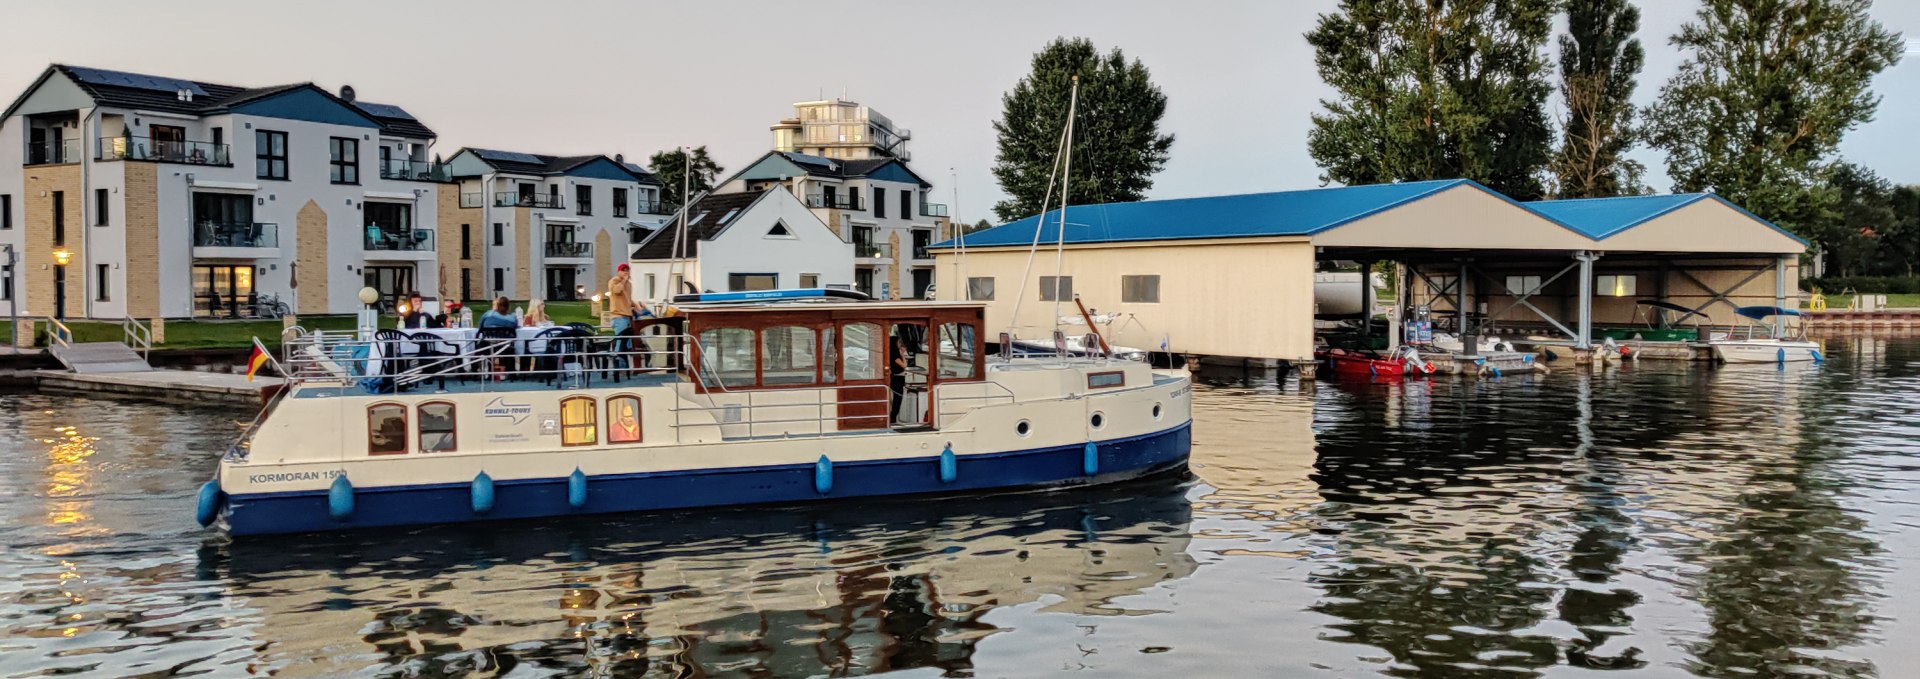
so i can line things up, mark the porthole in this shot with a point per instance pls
(1156, 411)
(1098, 420)
(1023, 428)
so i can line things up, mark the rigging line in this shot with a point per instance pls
(1066, 175)
(1039, 225)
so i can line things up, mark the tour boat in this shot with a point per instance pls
(1774, 348)
(734, 399)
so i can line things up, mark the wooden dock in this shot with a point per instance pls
(178, 386)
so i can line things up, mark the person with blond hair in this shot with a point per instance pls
(536, 315)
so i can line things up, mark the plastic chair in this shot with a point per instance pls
(392, 350)
(491, 339)
(427, 352)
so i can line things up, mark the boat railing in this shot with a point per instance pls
(950, 405)
(396, 363)
(785, 412)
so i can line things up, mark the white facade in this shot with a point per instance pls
(775, 242)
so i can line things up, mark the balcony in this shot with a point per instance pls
(652, 207)
(407, 244)
(474, 199)
(933, 210)
(163, 151)
(236, 240)
(53, 152)
(528, 200)
(838, 202)
(413, 170)
(863, 250)
(569, 249)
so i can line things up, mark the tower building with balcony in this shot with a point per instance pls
(127, 195)
(549, 227)
(841, 130)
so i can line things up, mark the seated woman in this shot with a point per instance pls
(498, 316)
(536, 314)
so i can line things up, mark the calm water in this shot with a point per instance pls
(1660, 519)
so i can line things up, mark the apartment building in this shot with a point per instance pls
(764, 239)
(841, 130)
(877, 204)
(133, 195)
(547, 227)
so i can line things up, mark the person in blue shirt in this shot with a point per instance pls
(498, 316)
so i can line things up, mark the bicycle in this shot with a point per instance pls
(270, 306)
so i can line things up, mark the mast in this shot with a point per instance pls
(1066, 176)
(1040, 222)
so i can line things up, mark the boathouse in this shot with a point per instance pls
(1233, 276)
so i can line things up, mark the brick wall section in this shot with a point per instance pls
(143, 240)
(38, 248)
(310, 243)
(602, 263)
(451, 216)
(522, 271)
(899, 263)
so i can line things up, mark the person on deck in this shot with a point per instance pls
(499, 316)
(620, 299)
(411, 315)
(536, 316)
(897, 376)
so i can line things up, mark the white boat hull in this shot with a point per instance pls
(1765, 351)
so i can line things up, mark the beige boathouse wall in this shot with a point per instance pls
(1705, 226)
(1462, 217)
(1249, 298)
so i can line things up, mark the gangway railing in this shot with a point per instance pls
(137, 335)
(58, 334)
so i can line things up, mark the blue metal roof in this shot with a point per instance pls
(1282, 213)
(1600, 218)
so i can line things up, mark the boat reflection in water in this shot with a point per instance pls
(786, 591)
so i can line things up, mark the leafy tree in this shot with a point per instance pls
(1600, 61)
(670, 166)
(1900, 245)
(1767, 91)
(1434, 90)
(1117, 144)
(1861, 212)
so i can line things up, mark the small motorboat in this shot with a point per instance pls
(1775, 347)
(1656, 328)
(1367, 363)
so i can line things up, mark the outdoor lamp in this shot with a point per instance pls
(369, 295)
(579, 290)
(61, 257)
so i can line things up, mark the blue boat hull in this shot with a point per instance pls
(1117, 460)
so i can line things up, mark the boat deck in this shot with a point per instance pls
(465, 384)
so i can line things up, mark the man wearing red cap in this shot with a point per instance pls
(620, 298)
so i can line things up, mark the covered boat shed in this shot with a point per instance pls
(1233, 276)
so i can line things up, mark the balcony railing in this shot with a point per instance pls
(474, 199)
(873, 250)
(212, 234)
(53, 152)
(920, 252)
(398, 240)
(652, 207)
(838, 203)
(416, 170)
(933, 210)
(163, 151)
(529, 200)
(561, 248)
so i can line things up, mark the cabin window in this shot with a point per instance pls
(956, 351)
(864, 353)
(1616, 285)
(830, 356)
(1106, 380)
(436, 428)
(386, 429)
(727, 356)
(1056, 288)
(623, 419)
(578, 425)
(788, 352)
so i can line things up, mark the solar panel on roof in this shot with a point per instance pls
(384, 110)
(99, 76)
(805, 159)
(509, 156)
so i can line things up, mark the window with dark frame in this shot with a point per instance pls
(269, 154)
(1054, 289)
(102, 280)
(6, 282)
(344, 162)
(579, 421)
(6, 210)
(879, 202)
(59, 218)
(583, 195)
(906, 204)
(437, 433)
(619, 202)
(466, 241)
(1106, 380)
(499, 234)
(499, 279)
(101, 201)
(386, 429)
(1143, 289)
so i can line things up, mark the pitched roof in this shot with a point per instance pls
(1281, 213)
(710, 215)
(819, 166)
(394, 120)
(646, 176)
(1600, 218)
(123, 89)
(538, 164)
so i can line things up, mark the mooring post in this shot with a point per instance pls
(1469, 345)
(1584, 339)
(1780, 295)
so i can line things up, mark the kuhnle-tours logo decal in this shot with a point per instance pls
(500, 408)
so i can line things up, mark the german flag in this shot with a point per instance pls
(259, 358)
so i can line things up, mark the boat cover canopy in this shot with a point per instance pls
(771, 295)
(1760, 312)
(1664, 304)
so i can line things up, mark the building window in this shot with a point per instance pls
(1616, 285)
(741, 282)
(6, 281)
(499, 280)
(344, 167)
(386, 429)
(779, 230)
(102, 277)
(879, 202)
(436, 428)
(100, 201)
(584, 196)
(269, 154)
(466, 241)
(1056, 289)
(389, 226)
(863, 279)
(809, 280)
(619, 202)
(579, 425)
(623, 419)
(1140, 289)
(59, 218)
(6, 210)
(980, 288)
(906, 204)
(1522, 285)
(499, 234)
(652, 289)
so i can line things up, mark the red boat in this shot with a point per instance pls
(1343, 362)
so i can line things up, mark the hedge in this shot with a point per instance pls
(1894, 285)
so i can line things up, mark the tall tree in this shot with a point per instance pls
(1768, 89)
(1117, 144)
(1434, 90)
(671, 166)
(1900, 245)
(1599, 64)
(1861, 212)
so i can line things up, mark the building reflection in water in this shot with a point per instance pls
(795, 591)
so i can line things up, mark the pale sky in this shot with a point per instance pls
(628, 77)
